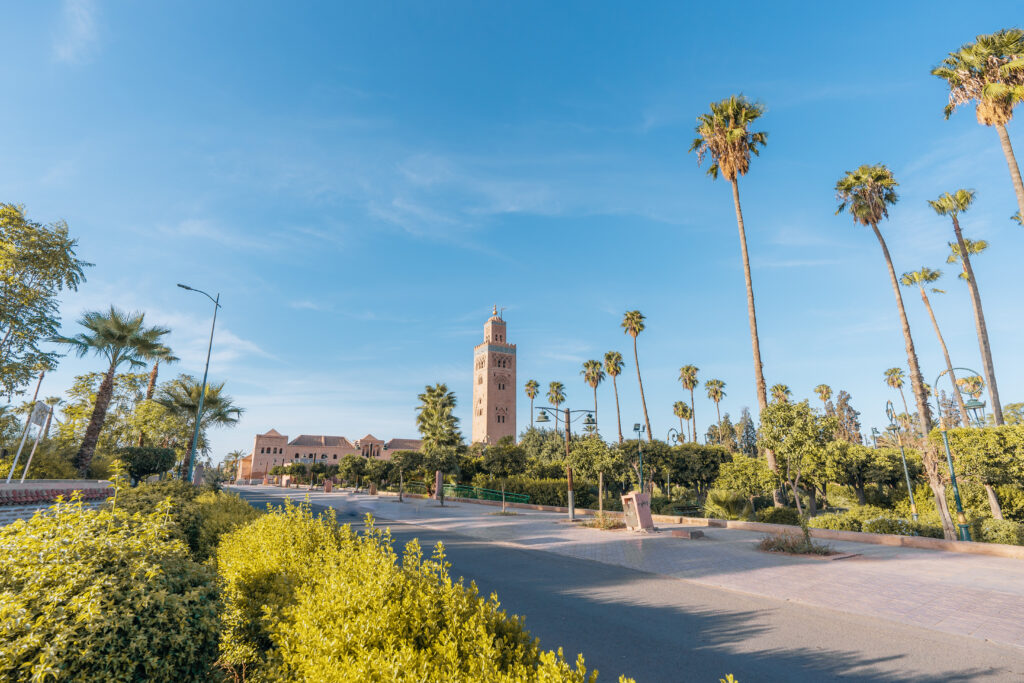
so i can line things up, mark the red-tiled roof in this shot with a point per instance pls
(404, 445)
(320, 440)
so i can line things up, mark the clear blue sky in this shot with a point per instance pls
(362, 181)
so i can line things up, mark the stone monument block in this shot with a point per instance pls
(636, 507)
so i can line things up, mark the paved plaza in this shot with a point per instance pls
(973, 596)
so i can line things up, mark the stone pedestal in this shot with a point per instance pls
(373, 489)
(636, 508)
(328, 486)
(266, 481)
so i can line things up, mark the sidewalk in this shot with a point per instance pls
(967, 595)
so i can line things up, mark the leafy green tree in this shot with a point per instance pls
(796, 435)
(688, 378)
(991, 457)
(125, 393)
(989, 73)
(920, 278)
(1014, 414)
(144, 461)
(746, 434)
(750, 477)
(593, 375)
(351, 468)
(633, 325)
(37, 262)
(961, 251)
(121, 338)
(503, 460)
(405, 461)
(725, 135)
(543, 445)
(531, 388)
(697, 466)
(847, 419)
(716, 392)
(613, 366)
(723, 434)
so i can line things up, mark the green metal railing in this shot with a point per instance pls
(477, 493)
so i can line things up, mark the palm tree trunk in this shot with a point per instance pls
(99, 413)
(917, 383)
(46, 428)
(719, 412)
(903, 396)
(682, 429)
(762, 389)
(693, 418)
(618, 414)
(595, 404)
(151, 387)
(1011, 161)
(643, 401)
(531, 413)
(600, 493)
(979, 325)
(993, 501)
(945, 354)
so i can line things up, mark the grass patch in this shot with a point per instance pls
(503, 513)
(604, 522)
(794, 544)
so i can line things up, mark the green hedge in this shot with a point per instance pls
(545, 491)
(306, 599)
(1002, 531)
(837, 522)
(103, 595)
(774, 515)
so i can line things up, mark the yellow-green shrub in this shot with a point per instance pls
(103, 595)
(219, 513)
(306, 599)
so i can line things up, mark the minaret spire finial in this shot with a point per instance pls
(495, 310)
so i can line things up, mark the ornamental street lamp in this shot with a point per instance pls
(206, 370)
(961, 519)
(894, 427)
(673, 438)
(588, 422)
(640, 429)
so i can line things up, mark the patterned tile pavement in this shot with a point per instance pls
(968, 595)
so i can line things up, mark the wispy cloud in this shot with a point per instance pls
(307, 305)
(77, 35)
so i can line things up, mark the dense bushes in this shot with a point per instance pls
(544, 491)
(143, 461)
(103, 595)
(775, 515)
(887, 525)
(727, 505)
(306, 599)
(838, 522)
(1002, 531)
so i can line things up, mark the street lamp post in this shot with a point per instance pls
(640, 429)
(672, 438)
(894, 427)
(961, 519)
(206, 370)
(587, 421)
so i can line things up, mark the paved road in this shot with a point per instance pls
(657, 628)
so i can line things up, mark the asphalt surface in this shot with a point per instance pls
(656, 628)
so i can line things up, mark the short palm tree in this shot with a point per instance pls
(613, 366)
(920, 278)
(716, 392)
(894, 379)
(180, 398)
(633, 324)
(531, 387)
(681, 410)
(556, 396)
(781, 393)
(724, 135)
(952, 205)
(688, 378)
(990, 73)
(593, 375)
(824, 392)
(867, 193)
(122, 339)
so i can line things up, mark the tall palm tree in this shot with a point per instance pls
(824, 392)
(920, 278)
(122, 338)
(164, 355)
(556, 396)
(724, 134)
(593, 374)
(633, 324)
(684, 412)
(531, 393)
(894, 379)
(716, 392)
(990, 73)
(953, 205)
(781, 393)
(688, 378)
(180, 397)
(613, 366)
(867, 193)
(436, 421)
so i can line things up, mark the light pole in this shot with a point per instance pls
(894, 427)
(640, 429)
(587, 421)
(672, 438)
(961, 519)
(206, 370)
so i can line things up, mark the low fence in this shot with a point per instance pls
(476, 493)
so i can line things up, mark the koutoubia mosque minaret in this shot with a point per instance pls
(494, 384)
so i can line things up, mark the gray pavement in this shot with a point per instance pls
(663, 609)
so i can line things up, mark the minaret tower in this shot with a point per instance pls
(494, 384)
